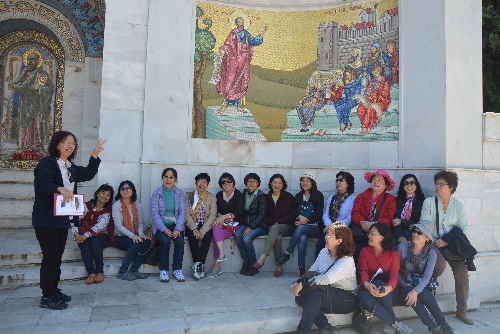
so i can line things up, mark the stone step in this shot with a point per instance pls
(16, 175)
(16, 190)
(15, 222)
(12, 207)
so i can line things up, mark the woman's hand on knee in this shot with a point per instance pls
(411, 298)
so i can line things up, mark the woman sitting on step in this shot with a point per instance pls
(331, 290)
(92, 235)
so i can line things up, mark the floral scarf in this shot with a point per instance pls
(132, 226)
(336, 204)
(406, 213)
(373, 206)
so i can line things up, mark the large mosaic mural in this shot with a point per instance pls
(329, 75)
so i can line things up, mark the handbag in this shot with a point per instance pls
(448, 254)
(359, 236)
(360, 321)
(309, 274)
(152, 256)
(414, 280)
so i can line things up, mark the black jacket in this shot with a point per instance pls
(459, 243)
(318, 201)
(47, 179)
(235, 206)
(256, 215)
(403, 230)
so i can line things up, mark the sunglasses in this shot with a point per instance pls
(226, 181)
(126, 188)
(418, 232)
(410, 183)
(168, 177)
(340, 180)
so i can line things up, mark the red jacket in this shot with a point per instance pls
(361, 208)
(368, 264)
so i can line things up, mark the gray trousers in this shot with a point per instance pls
(274, 235)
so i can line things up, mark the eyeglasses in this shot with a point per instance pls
(410, 183)
(340, 180)
(440, 184)
(226, 181)
(418, 232)
(168, 177)
(126, 188)
(68, 143)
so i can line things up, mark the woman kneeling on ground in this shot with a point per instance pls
(91, 234)
(417, 264)
(331, 290)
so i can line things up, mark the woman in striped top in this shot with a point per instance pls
(331, 290)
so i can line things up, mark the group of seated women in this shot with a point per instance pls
(385, 244)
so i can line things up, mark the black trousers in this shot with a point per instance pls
(52, 242)
(317, 302)
(199, 252)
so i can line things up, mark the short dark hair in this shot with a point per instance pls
(169, 169)
(225, 175)
(104, 187)
(57, 138)
(450, 177)
(134, 192)
(389, 241)
(277, 176)
(347, 246)
(202, 176)
(314, 186)
(349, 179)
(401, 191)
(252, 176)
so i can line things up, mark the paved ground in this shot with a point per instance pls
(230, 303)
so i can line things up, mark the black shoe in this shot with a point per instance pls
(53, 303)
(328, 329)
(445, 328)
(251, 271)
(283, 258)
(302, 271)
(436, 330)
(64, 297)
(244, 268)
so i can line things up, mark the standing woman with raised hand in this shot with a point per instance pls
(168, 214)
(57, 174)
(129, 231)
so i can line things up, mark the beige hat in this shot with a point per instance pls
(428, 228)
(309, 175)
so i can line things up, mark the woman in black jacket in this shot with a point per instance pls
(408, 207)
(253, 224)
(308, 209)
(55, 174)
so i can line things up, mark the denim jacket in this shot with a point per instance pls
(158, 209)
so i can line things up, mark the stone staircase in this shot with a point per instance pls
(16, 198)
(232, 125)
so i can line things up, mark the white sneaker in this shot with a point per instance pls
(402, 328)
(164, 276)
(388, 330)
(202, 271)
(179, 276)
(195, 269)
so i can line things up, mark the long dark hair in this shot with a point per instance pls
(389, 241)
(104, 187)
(401, 191)
(58, 137)
(134, 192)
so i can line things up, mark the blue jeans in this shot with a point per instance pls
(245, 243)
(164, 241)
(300, 236)
(380, 307)
(425, 301)
(135, 252)
(91, 250)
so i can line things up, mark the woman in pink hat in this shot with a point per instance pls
(373, 205)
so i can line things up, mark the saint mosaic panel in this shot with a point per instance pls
(329, 75)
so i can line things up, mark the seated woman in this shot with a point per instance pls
(417, 264)
(230, 205)
(280, 220)
(408, 207)
(201, 212)
(308, 208)
(338, 206)
(91, 234)
(373, 205)
(168, 215)
(129, 231)
(375, 295)
(253, 224)
(336, 270)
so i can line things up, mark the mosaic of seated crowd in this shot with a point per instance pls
(307, 76)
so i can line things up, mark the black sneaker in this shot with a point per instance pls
(251, 271)
(283, 258)
(62, 296)
(327, 329)
(244, 268)
(53, 303)
(445, 328)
